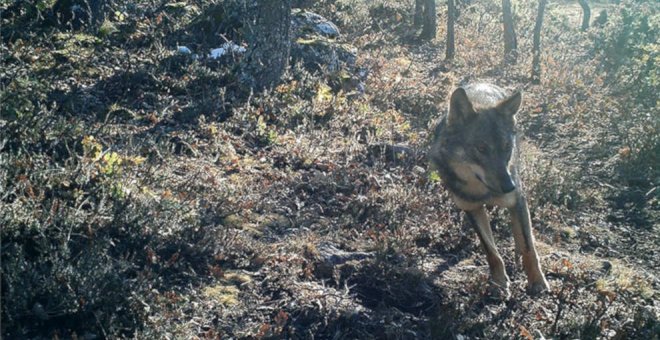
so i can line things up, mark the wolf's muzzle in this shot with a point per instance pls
(507, 184)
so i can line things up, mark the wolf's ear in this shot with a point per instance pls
(510, 106)
(460, 108)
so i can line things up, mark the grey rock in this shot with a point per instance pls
(304, 22)
(315, 43)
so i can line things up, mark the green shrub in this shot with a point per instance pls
(630, 52)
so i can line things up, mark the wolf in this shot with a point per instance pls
(475, 152)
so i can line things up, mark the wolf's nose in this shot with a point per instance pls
(508, 187)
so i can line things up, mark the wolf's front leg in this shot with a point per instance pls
(524, 239)
(479, 220)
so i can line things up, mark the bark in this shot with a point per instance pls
(536, 61)
(586, 14)
(419, 13)
(451, 19)
(601, 20)
(269, 41)
(510, 41)
(79, 13)
(429, 30)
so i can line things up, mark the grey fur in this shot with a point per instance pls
(475, 152)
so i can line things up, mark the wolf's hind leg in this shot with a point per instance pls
(479, 219)
(524, 240)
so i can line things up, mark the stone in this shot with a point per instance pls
(304, 22)
(315, 43)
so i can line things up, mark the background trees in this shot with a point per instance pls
(425, 16)
(536, 51)
(510, 39)
(269, 41)
(451, 19)
(586, 14)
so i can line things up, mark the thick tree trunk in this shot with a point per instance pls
(510, 41)
(601, 20)
(429, 30)
(586, 14)
(79, 13)
(451, 18)
(536, 61)
(419, 13)
(269, 41)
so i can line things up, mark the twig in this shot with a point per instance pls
(560, 308)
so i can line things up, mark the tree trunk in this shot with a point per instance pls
(269, 41)
(586, 14)
(601, 20)
(510, 42)
(451, 18)
(79, 13)
(419, 13)
(536, 61)
(429, 30)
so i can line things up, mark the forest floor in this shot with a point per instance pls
(149, 194)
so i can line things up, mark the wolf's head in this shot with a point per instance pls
(479, 138)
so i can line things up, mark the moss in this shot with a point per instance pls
(223, 294)
(237, 278)
(107, 29)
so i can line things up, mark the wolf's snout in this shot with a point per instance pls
(507, 185)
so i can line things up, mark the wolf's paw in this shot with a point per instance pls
(497, 291)
(538, 287)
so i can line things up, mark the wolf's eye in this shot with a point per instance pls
(482, 147)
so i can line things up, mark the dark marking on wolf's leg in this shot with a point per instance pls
(479, 220)
(522, 213)
(518, 241)
(524, 239)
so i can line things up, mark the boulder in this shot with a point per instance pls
(315, 43)
(304, 22)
